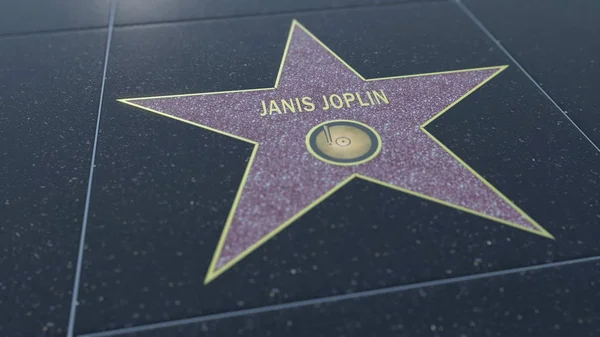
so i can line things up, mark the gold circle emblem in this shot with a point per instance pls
(343, 142)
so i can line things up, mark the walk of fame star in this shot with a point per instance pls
(322, 125)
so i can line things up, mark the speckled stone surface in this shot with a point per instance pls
(49, 91)
(163, 189)
(555, 302)
(144, 11)
(560, 50)
(30, 16)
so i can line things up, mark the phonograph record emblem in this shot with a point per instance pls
(343, 142)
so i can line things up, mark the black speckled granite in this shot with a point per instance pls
(28, 16)
(49, 92)
(557, 43)
(554, 302)
(148, 11)
(163, 189)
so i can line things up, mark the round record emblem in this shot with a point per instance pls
(343, 142)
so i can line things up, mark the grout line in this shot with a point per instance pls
(51, 31)
(74, 299)
(497, 42)
(330, 299)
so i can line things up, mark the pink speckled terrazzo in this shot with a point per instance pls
(285, 178)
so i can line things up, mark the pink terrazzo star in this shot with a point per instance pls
(284, 180)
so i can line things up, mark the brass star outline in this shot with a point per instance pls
(213, 273)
